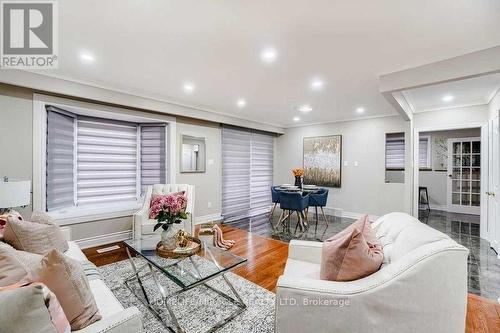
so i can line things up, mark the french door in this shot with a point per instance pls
(464, 175)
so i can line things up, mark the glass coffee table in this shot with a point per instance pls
(187, 273)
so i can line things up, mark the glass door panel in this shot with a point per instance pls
(465, 174)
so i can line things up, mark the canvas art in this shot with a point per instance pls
(323, 160)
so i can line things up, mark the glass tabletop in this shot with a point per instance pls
(188, 272)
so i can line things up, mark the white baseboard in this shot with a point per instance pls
(208, 218)
(339, 212)
(104, 239)
(443, 208)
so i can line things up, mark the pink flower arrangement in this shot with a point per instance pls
(168, 209)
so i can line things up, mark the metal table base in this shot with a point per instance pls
(157, 311)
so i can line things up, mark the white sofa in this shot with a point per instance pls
(143, 225)
(115, 319)
(421, 286)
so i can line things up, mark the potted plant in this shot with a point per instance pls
(298, 174)
(167, 210)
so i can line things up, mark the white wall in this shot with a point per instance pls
(208, 185)
(16, 117)
(436, 180)
(450, 117)
(363, 187)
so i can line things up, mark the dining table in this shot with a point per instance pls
(311, 189)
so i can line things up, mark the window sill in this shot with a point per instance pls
(76, 215)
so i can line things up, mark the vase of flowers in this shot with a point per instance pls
(298, 173)
(167, 210)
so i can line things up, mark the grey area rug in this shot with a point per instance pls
(200, 308)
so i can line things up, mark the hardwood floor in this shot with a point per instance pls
(266, 262)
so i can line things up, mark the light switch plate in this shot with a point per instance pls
(211, 161)
(346, 163)
(356, 163)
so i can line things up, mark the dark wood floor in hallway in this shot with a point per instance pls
(266, 262)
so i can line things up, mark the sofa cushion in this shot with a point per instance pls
(303, 269)
(38, 236)
(400, 233)
(351, 254)
(74, 252)
(66, 278)
(106, 301)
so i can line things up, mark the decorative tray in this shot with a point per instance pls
(193, 247)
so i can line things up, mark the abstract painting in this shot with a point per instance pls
(323, 160)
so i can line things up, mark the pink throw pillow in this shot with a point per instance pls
(352, 253)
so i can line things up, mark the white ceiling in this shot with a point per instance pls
(150, 48)
(475, 91)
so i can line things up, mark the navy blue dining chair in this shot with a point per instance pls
(275, 198)
(294, 202)
(319, 199)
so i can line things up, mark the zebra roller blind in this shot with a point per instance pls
(153, 157)
(106, 161)
(247, 172)
(60, 160)
(92, 161)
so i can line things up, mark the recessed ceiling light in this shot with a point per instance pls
(447, 98)
(317, 84)
(188, 88)
(305, 108)
(269, 55)
(360, 110)
(241, 103)
(87, 57)
(296, 119)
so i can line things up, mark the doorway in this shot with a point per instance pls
(452, 165)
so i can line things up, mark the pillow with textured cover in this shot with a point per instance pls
(40, 235)
(16, 266)
(52, 308)
(352, 253)
(66, 279)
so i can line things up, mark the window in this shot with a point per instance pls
(424, 152)
(247, 172)
(95, 161)
(395, 151)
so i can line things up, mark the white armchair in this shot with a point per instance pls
(143, 225)
(421, 286)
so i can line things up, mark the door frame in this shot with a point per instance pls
(484, 162)
(450, 207)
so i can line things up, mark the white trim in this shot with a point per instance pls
(443, 208)
(340, 121)
(339, 212)
(68, 218)
(85, 243)
(208, 218)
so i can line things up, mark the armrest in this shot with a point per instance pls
(305, 251)
(126, 321)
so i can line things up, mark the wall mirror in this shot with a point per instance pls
(192, 154)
